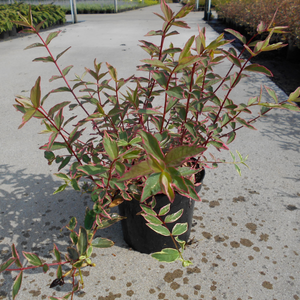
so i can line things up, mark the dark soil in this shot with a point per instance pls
(286, 72)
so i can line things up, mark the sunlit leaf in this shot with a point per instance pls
(166, 255)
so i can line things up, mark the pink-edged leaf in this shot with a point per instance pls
(6, 264)
(61, 53)
(141, 169)
(35, 94)
(17, 285)
(112, 72)
(151, 186)
(178, 155)
(110, 146)
(237, 35)
(152, 219)
(164, 210)
(44, 59)
(231, 137)
(32, 258)
(258, 69)
(27, 116)
(245, 123)
(294, 96)
(151, 145)
(168, 13)
(51, 36)
(179, 228)
(34, 46)
(16, 256)
(45, 268)
(272, 93)
(57, 107)
(166, 255)
(160, 229)
(92, 170)
(174, 217)
(185, 10)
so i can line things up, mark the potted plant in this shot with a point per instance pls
(140, 139)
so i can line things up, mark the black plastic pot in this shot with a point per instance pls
(143, 239)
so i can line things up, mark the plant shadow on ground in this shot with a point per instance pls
(32, 217)
(286, 74)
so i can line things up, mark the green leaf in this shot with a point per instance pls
(35, 95)
(294, 95)
(34, 45)
(185, 10)
(60, 189)
(59, 272)
(168, 13)
(60, 54)
(176, 92)
(82, 241)
(186, 50)
(92, 170)
(138, 170)
(57, 107)
(74, 184)
(56, 253)
(110, 146)
(5, 265)
(177, 155)
(151, 187)
(16, 256)
(32, 258)
(73, 253)
(258, 69)
(113, 72)
(161, 78)
(152, 219)
(179, 228)
(151, 144)
(237, 35)
(174, 217)
(156, 63)
(51, 36)
(272, 93)
(100, 242)
(231, 137)
(17, 285)
(44, 59)
(49, 155)
(74, 237)
(72, 223)
(166, 255)
(108, 222)
(45, 268)
(159, 229)
(64, 162)
(290, 107)
(148, 210)
(164, 210)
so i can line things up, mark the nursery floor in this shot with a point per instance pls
(246, 234)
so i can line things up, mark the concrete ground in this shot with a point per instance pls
(246, 233)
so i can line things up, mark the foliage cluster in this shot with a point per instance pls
(249, 14)
(97, 8)
(49, 13)
(141, 136)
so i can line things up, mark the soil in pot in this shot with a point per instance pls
(143, 239)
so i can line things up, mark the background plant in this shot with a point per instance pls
(249, 14)
(126, 146)
(50, 14)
